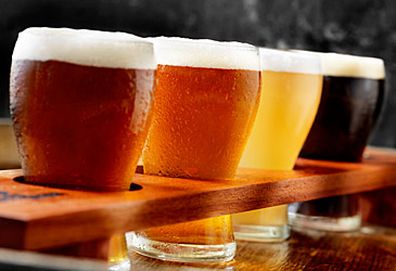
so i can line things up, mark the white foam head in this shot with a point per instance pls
(286, 61)
(85, 47)
(202, 53)
(342, 65)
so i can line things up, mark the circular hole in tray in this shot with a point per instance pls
(21, 179)
(135, 187)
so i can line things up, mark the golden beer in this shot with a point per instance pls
(212, 231)
(206, 135)
(118, 251)
(206, 99)
(291, 88)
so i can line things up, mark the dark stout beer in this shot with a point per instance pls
(335, 207)
(353, 93)
(350, 104)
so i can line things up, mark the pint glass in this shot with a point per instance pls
(291, 85)
(80, 104)
(206, 99)
(353, 92)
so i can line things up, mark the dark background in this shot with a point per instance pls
(362, 27)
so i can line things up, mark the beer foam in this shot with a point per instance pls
(204, 53)
(85, 47)
(342, 65)
(286, 61)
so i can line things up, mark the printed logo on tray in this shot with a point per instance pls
(6, 196)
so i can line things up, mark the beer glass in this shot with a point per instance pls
(206, 99)
(291, 85)
(353, 92)
(80, 104)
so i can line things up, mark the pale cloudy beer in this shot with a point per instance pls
(81, 103)
(291, 85)
(353, 94)
(206, 99)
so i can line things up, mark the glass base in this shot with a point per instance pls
(340, 224)
(258, 233)
(180, 252)
(120, 266)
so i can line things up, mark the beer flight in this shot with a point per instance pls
(87, 104)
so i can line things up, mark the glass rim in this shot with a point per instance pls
(347, 65)
(163, 41)
(85, 47)
(205, 53)
(278, 60)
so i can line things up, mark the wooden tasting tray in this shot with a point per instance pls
(34, 217)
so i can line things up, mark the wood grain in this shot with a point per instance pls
(35, 217)
(14, 260)
(97, 249)
(373, 248)
(379, 207)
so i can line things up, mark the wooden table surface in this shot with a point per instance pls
(372, 248)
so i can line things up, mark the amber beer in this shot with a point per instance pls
(353, 93)
(80, 103)
(206, 99)
(291, 85)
